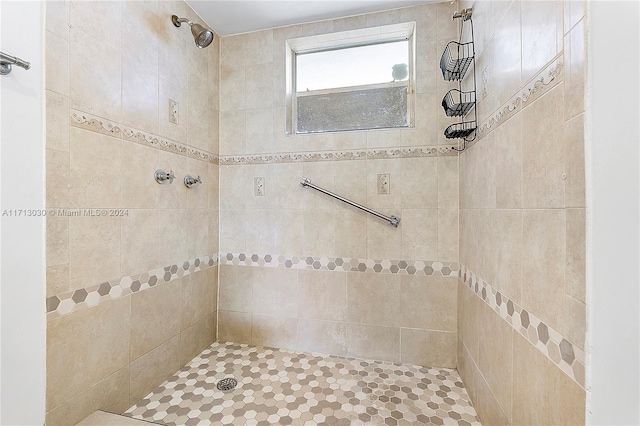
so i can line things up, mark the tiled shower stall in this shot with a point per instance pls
(485, 273)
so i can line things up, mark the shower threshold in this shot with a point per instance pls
(285, 387)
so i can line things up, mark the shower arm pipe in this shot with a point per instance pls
(391, 220)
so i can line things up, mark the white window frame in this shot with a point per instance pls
(341, 40)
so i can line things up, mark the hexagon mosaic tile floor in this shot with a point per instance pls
(284, 387)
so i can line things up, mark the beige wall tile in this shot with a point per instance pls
(150, 324)
(232, 87)
(259, 228)
(57, 279)
(151, 369)
(275, 292)
(467, 370)
(428, 347)
(197, 337)
(139, 96)
(174, 234)
(139, 244)
(419, 180)
(199, 295)
(542, 394)
(232, 231)
(57, 60)
(259, 130)
(544, 264)
(373, 341)
(139, 164)
(448, 237)
(57, 241)
(95, 170)
(94, 250)
(574, 165)
(95, 74)
(259, 86)
(575, 319)
(508, 140)
(326, 337)
(487, 407)
(351, 234)
(232, 132)
(110, 394)
(448, 194)
(84, 348)
(506, 226)
(57, 113)
(101, 20)
(384, 241)
(508, 53)
(57, 18)
(542, 149)
(287, 228)
(575, 72)
(57, 179)
(496, 358)
(319, 233)
(373, 298)
(576, 254)
(322, 295)
(173, 45)
(236, 288)
(429, 302)
(234, 326)
(541, 35)
(419, 229)
(141, 31)
(198, 233)
(469, 319)
(276, 332)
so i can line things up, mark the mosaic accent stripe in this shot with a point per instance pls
(361, 154)
(564, 354)
(547, 79)
(342, 264)
(101, 125)
(77, 300)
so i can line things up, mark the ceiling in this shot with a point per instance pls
(240, 16)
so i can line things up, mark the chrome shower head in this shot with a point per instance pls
(202, 36)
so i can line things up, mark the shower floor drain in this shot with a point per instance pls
(227, 384)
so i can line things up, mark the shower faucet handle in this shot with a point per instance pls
(190, 182)
(163, 177)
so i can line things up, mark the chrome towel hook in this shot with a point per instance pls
(6, 61)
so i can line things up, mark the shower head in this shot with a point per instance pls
(202, 36)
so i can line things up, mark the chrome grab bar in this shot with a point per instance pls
(391, 220)
(7, 60)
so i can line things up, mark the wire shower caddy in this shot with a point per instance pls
(456, 60)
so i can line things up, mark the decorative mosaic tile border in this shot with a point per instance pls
(342, 264)
(546, 80)
(84, 298)
(361, 154)
(564, 354)
(101, 125)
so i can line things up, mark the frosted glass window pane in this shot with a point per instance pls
(353, 66)
(381, 108)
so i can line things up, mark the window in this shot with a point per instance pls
(354, 80)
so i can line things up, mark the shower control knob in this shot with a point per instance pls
(163, 177)
(191, 182)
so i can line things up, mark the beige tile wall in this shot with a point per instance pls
(522, 210)
(333, 312)
(122, 61)
(392, 317)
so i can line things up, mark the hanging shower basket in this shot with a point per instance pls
(456, 60)
(457, 103)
